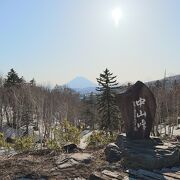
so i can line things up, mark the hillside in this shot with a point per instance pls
(169, 81)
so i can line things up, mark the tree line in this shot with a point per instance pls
(25, 104)
(168, 106)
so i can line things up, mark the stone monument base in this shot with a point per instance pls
(147, 154)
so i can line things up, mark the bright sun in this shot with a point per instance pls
(116, 15)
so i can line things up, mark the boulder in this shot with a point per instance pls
(70, 147)
(113, 153)
(147, 154)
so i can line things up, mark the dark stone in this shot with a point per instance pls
(138, 107)
(10, 140)
(35, 128)
(147, 153)
(178, 138)
(96, 176)
(123, 142)
(70, 148)
(106, 175)
(32, 176)
(112, 153)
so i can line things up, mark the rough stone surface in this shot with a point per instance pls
(60, 159)
(105, 175)
(65, 161)
(113, 153)
(82, 157)
(147, 154)
(111, 174)
(138, 107)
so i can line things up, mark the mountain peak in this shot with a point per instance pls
(80, 82)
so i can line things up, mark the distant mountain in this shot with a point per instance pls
(82, 85)
(174, 78)
(169, 81)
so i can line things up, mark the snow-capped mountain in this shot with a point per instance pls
(82, 85)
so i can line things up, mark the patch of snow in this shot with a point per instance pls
(84, 139)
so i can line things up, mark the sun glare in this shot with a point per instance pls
(116, 15)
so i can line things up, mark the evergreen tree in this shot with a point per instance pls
(1, 81)
(107, 108)
(158, 84)
(32, 82)
(12, 79)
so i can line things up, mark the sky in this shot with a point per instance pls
(54, 41)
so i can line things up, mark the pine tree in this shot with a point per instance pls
(12, 79)
(32, 82)
(107, 108)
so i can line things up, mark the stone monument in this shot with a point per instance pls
(138, 107)
(137, 149)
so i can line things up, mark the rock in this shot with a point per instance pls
(178, 138)
(128, 178)
(111, 174)
(138, 107)
(82, 157)
(32, 176)
(147, 154)
(68, 163)
(61, 158)
(10, 140)
(122, 142)
(53, 169)
(105, 175)
(99, 176)
(96, 176)
(149, 175)
(176, 169)
(70, 147)
(113, 153)
(66, 160)
(7, 177)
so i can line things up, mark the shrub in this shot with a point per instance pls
(24, 143)
(65, 133)
(52, 144)
(3, 143)
(101, 138)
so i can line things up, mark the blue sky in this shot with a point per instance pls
(57, 40)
